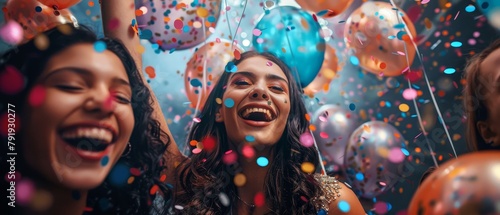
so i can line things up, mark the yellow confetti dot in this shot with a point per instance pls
(307, 167)
(41, 42)
(456, 137)
(404, 107)
(383, 152)
(130, 179)
(218, 100)
(240, 180)
(199, 145)
(140, 49)
(328, 73)
(202, 12)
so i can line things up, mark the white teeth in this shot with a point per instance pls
(96, 133)
(261, 110)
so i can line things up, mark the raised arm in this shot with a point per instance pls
(117, 16)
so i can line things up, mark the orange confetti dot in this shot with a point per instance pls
(440, 158)
(91, 4)
(153, 190)
(163, 178)
(150, 71)
(441, 93)
(179, 6)
(308, 118)
(312, 127)
(418, 150)
(138, 13)
(366, 128)
(382, 104)
(193, 142)
(237, 54)
(188, 112)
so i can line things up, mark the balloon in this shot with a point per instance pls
(374, 154)
(491, 8)
(35, 17)
(333, 128)
(216, 55)
(11, 32)
(292, 35)
(466, 185)
(334, 7)
(326, 74)
(59, 4)
(177, 24)
(378, 40)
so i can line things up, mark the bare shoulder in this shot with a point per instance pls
(337, 198)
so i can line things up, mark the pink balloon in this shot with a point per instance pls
(180, 26)
(11, 33)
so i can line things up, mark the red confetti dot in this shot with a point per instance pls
(154, 189)
(36, 96)
(178, 24)
(237, 54)
(229, 158)
(259, 199)
(208, 143)
(135, 171)
(113, 24)
(151, 72)
(163, 178)
(11, 81)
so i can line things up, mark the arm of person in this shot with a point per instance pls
(348, 196)
(123, 12)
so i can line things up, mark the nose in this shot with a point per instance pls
(100, 101)
(259, 93)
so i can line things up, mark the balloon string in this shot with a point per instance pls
(438, 110)
(228, 24)
(419, 116)
(294, 69)
(204, 84)
(238, 26)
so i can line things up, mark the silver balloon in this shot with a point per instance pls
(333, 125)
(375, 154)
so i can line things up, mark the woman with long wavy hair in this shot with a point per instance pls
(248, 158)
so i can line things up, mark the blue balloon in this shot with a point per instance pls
(491, 9)
(293, 36)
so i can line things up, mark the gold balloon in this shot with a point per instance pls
(25, 13)
(334, 7)
(375, 36)
(326, 74)
(213, 58)
(467, 185)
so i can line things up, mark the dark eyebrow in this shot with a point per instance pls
(83, 72)
(268, 76)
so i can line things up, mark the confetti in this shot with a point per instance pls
(229, 102)
(262, 161)
(100, 46)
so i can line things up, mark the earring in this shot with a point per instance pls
(129, 146)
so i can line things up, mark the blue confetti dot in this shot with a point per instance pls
(155, 46)
(133, 22)
(229, 102)
(104, 160)
(249, 138)
(389, 206)
(185, 29)
(262, 161)
(381, 17)
(321, 212)
(456, 44)
(211, 19)
(195, 82)
(38, 9)
(146, 34)
(354, 60)
(344, 206)
(405, 152)
(119, 175)
(401, 34)
(399, 26)
(230, 67)
(352, 107)
(470, 8)
(388, 104)
(360, 176)
(100, 46)
(391, 37)
(449, 71)
(171, 51)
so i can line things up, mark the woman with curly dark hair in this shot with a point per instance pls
(247, 155)
(84, 116)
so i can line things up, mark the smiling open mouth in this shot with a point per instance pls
(88, 139)
(257, 114)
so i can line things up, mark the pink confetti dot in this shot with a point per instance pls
(25, 190)
(229, 158)
(476, 34)
(11, 81)
(401, 53)
(260, 40)
(196, 151)
(306, 139)
(178, 24)
(36, 96)
(409, 94)
(228, 8)
(11, 32)
(256, 32)
(396, 155)
(381, 207)
(323, 135)
(472, 41)
(248, 151)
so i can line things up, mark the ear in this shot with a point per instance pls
(218, 115)
(484, 130)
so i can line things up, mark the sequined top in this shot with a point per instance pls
(330, 191)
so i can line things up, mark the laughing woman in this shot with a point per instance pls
(249, 157)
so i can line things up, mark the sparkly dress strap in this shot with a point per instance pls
(329, 191)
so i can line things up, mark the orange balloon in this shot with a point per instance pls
(59, 4)
(216, 55)
(326, 74)
(25, 13)
(378, 40)
(334, 7)
(467, 185)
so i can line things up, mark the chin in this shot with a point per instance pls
(82, 178)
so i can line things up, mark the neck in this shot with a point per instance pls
(255, 178)
(61, 200)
